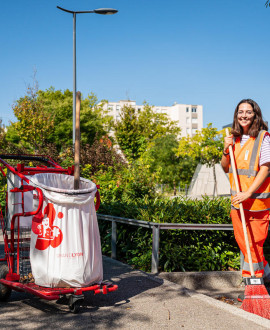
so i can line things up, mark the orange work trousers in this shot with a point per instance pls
(257, 229)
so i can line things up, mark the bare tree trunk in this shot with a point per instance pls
(215, 181)
(174, 188)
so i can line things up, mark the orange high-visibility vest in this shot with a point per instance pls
(247, 164)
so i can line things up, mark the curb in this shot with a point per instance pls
(205, 280)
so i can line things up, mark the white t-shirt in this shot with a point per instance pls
(265, 148)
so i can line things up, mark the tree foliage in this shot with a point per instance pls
(34, 122)
(94, 123)
(136, 129)
(170, 168)
(2, 132)
(47, 117)
(93, 158)
(205, 147)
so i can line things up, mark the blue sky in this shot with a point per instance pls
(207, 52)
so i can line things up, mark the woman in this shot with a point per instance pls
(251, 144)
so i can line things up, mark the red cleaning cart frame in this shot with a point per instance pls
(10, 272)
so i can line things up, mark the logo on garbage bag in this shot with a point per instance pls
(48, 234)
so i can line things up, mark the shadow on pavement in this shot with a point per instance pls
(96, 310)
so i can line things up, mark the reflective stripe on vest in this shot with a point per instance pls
(243, 171)
(247, 168)
(256, 151)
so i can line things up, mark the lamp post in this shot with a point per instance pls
(101, 11)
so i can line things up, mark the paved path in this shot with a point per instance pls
(142, 302)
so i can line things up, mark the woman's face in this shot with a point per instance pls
(245, 116)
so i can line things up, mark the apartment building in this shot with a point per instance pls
(189, 117)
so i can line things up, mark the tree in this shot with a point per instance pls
(135, 130)
(101, 155)
(162, 160)
(94, 123)
(205, 148)
(34, 122)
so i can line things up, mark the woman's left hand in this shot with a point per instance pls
(241, 197)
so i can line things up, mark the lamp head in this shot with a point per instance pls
(105, 11)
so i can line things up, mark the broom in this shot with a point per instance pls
(257, 299)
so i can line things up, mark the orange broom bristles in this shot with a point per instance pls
(257, 300)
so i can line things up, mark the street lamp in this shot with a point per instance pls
(101, 11)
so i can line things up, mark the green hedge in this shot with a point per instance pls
(180, 250)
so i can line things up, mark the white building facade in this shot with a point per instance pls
(189, 117)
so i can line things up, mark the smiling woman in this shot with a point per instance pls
(251, 145)
(248, 119)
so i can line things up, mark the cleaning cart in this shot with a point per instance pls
(50, 232)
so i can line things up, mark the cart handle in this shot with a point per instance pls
(97, 205)
(47, 160)
(42, 158)
(25, 188)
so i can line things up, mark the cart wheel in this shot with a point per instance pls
(75, 307)
(5, 291)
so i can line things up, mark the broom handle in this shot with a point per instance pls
(235, 176)
(77, 143)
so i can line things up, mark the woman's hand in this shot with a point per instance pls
(228, 141)
(225, 157)
(225, 161)
(241, 197)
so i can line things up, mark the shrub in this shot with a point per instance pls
(180, 250)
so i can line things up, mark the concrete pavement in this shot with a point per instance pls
(142, 301)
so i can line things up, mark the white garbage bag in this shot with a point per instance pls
(65, 248)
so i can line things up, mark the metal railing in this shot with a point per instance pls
(156, 228)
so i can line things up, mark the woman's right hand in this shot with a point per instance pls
(228, 141)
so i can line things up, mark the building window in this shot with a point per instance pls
(139, 109)
(188, 120)
(194, 110)
(117, 107)
(187, 109)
